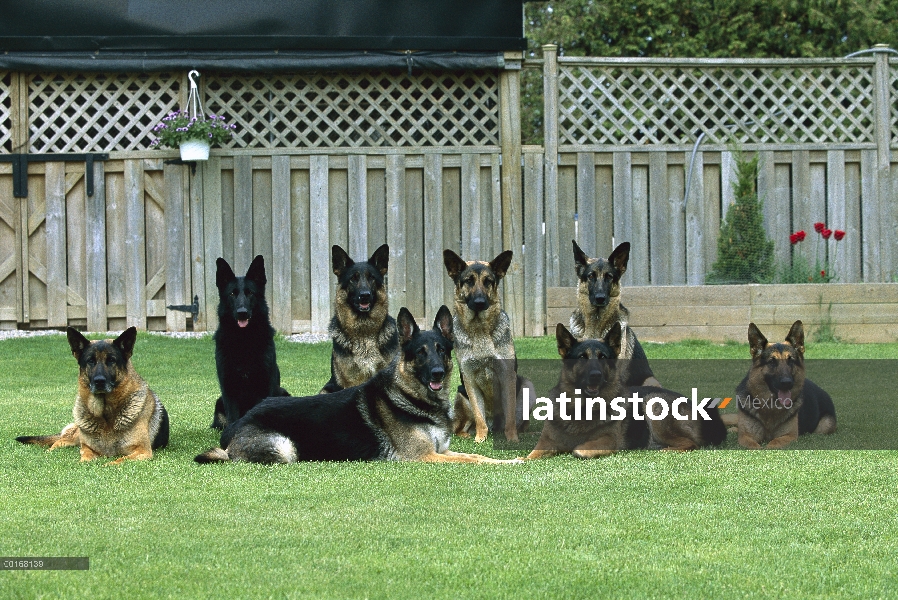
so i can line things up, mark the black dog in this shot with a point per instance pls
(244, 343)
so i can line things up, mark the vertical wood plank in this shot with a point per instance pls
(414, 241)
(433, 236)
(776, 225)
(728, 179)
(280, 281)
(135, 240)
(802, 215)
(512, 235)
(243, 213)
(567, 227)
(713, 221)
(338, 213)
(319, 241)
(639, 245)
(555, 244)
(836, 210)
(496, 204)
(115, 233)
(452, 230)
(396, 232)
(357, 209)
(604, 213)
(870, 217)
(96, 252)
(213, 237)
(197, 252)
(471, 244)
(175, 320)
(262, 220)
(586, 199)
(534, 246)
(661, 230)
(817, 210)
(695, 224)
(57, 315)
(782, 202)
(623, 198)
(300, 225)
(487, 225)
(853, 237)
(676, 186)
(377, 210)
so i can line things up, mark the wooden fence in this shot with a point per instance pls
(426, 162)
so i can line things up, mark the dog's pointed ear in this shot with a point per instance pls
(500, 264)
(125, 342)
(407, 326)
(77, 342)
(224, 273)
(340, 260)
(620, 257)
(581, 261)
(443, 323)
(796, 336)
(615, 338)
(564, 339)
(756, 340)
(256, 271)
(380, 259)
(454, 264)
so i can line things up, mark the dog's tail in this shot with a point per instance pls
(212, 455)
(40, 440)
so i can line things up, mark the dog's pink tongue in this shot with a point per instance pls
(436, 386)
(787, 395)
(242, 322)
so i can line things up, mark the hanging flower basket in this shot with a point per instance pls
(194, 150)
(191, 130)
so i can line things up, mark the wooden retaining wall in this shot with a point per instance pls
(858, 312)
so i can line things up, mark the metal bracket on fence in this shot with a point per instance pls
(20, 168)
(193, 309)
(178, 161)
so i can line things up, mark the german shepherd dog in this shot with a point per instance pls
(485, 350)
(245, 357)
(599, 307)
(364, 335)
(776, 402)
(402, 413)
(589, 367)
(115, 413)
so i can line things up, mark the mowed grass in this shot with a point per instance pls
(710, 523)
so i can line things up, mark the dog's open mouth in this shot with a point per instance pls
(242, 322)
(592, 392)
(784, 395)
(365, 307)
(436, 385)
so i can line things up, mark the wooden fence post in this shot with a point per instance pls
(510, 141)
(550, 162)
(882, 110)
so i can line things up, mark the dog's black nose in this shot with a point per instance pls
(600, 298)
(595, 378)
(364, 297)
(242, 312)
(479, 303)
(437, 374)
(785, 384)
(99, 381)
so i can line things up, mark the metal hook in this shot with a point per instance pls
(190, 76)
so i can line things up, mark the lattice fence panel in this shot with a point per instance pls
(98, 112)
(893, 94)
(358, 109)
(5, 113)
(757, 105)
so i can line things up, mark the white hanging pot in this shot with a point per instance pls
(194, 150)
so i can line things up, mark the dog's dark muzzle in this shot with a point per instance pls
(436, 378)
(478, 303)
(363, 301)
(599, 299)
(243, 317)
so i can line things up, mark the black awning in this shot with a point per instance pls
(246, 25)
(248, 61)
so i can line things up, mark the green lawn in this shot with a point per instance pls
(710, 523)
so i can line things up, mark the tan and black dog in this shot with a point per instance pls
(365, 338)
(402, 413)
(590, 369)
(776, 402)
(116, 413)
(485, 350)
(599, 307)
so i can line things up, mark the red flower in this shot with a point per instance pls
(793, 239)
(818, 227)
(826, 233)
(839, 234)
(822, 273)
